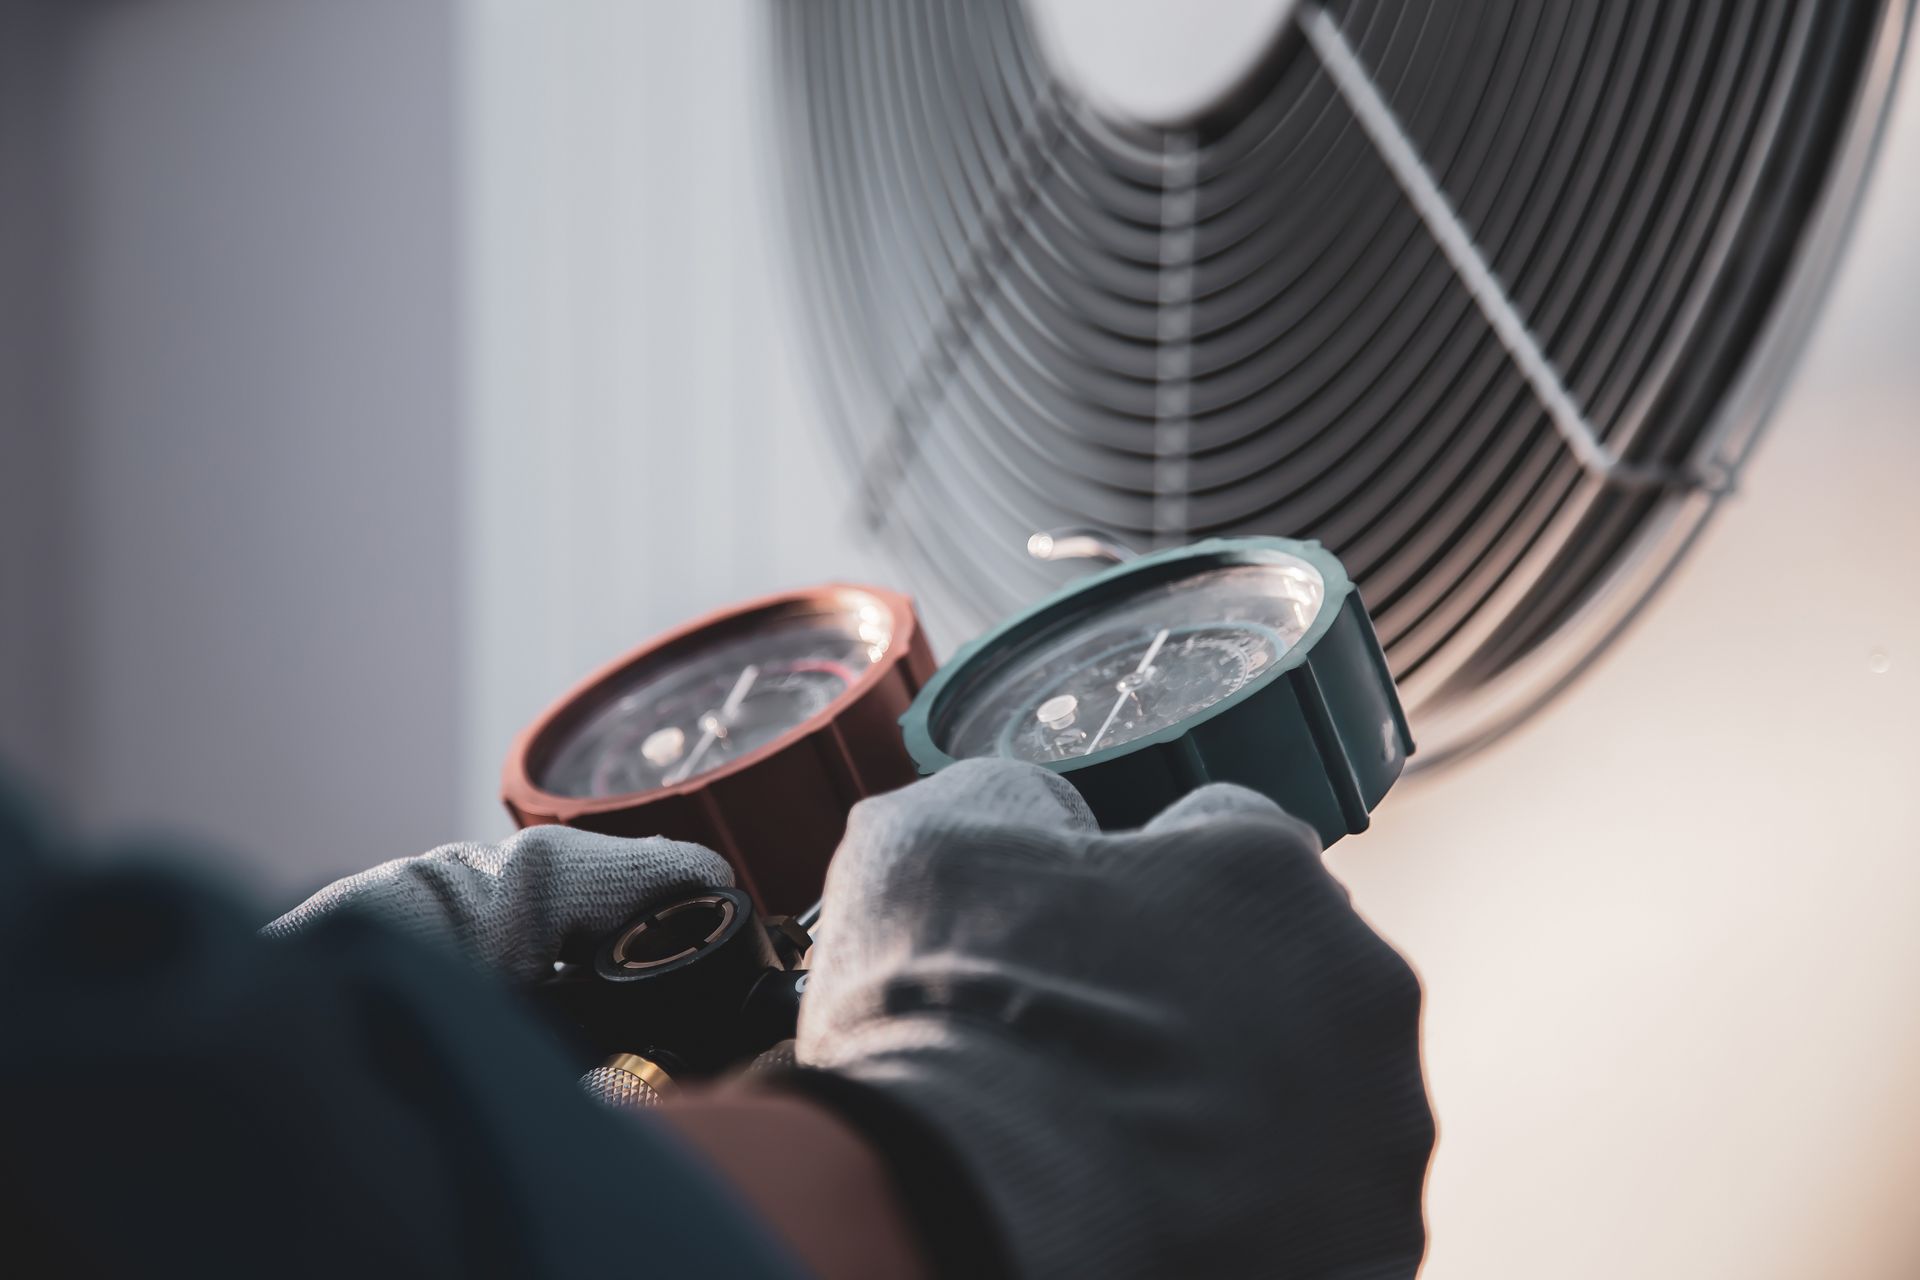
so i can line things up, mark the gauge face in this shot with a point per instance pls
(1131, 665)
(710, 701)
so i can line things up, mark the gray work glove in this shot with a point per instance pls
(1171, 1052)
(514, 908)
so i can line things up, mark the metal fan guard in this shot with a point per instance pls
(1626, 513)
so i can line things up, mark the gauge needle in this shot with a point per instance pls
(1126, 688)
(714, 723)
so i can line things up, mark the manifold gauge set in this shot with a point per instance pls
(756, 729)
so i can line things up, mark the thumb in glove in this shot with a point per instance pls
(515, 907)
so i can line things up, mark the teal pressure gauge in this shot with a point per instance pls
(1246, 660)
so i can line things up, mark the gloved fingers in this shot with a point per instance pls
(989, 790)
(1384, 1112)
(573, 887)
(1395, 996)
(515, 906)
(1219, 833)
(977, 815)
(1223, 800)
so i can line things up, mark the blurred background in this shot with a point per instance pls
(370, 370)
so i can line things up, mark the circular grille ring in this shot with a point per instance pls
(1480, 294)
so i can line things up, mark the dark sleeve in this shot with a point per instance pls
(948, 1214)
(179, 1096)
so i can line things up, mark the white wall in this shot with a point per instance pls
(34, 551)
(250, 435)
(643, 445)
(374, 370)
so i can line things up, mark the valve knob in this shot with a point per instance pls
(627, 1080)
(688, 989)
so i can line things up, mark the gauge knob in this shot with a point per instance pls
(1247, 660)
(751, 731)
(683, 990)
(627, 1080)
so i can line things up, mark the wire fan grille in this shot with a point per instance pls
(1456, 287)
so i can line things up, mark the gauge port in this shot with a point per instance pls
(678, 931)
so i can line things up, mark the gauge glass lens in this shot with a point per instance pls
(1132, 666)
(707, 703)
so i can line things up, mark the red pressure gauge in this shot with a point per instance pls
(751, 731)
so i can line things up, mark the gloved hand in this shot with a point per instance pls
(516, 907)
(1171, 1052)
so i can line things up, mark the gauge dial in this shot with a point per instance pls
(688, 712)
(752, 731)
(1133, 666)
(1242, 660)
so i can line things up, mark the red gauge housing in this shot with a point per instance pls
(776, 812)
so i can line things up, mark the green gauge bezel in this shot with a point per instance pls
(1011, 729)
(1321, 731)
